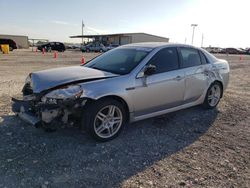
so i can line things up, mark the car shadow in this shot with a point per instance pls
(70, 158)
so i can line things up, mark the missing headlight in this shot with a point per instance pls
(70, 92)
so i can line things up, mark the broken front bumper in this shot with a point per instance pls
(38, 113)
(24, 111)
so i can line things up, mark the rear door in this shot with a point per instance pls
(164, 89)
(194, 66)
(58, 46)
(52, 46)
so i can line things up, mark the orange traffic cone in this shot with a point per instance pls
(55, 54)
(43, 51)
(83, 60)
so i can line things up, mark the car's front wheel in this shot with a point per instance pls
(213, 96)
(104, 119)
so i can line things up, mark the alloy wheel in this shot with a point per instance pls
(108, 121)
(214, 95)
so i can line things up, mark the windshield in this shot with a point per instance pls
(119, 61)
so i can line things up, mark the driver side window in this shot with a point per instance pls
(165, 60)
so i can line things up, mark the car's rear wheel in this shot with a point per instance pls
(213, 96)
(104, 119)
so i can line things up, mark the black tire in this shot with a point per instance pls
(90, 113)
(207, 104)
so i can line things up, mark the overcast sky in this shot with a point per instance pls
(224, 23)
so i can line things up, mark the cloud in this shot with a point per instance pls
(123, 21)
(87, 28)
(58, 22)
(95, 30)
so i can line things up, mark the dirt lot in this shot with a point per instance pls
(189, 148)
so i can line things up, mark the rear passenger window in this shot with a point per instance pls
(203, 58)
(190, 57)
(165, 60)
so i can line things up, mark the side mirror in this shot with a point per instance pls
(149, 70)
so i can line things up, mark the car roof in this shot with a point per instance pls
(154, 45)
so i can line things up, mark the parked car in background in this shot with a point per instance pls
(214, 49)
(247, 51)
(52, 46)
(76, 46)
(242, 49)
(10, 42)
(73, 46)
(94, 47)
(112, 46)
(233, 51)
(127, 84)
(68, 46)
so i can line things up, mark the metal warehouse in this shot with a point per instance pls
(21, 41)
(123, 38)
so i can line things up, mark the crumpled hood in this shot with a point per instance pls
(48, 79)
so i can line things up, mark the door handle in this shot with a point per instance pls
(178, 78)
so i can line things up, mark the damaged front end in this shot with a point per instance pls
(56, 94)
(49, 106)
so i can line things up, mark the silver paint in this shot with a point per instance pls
(47, 79)
(145, 96)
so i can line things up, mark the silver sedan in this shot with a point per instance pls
(127, 84)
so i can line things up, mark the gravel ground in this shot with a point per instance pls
(189, 148)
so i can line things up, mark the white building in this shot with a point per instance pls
(124, 38)
(21, 41)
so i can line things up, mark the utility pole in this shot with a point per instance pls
(82, 30)
(202, 40)
(193, 25)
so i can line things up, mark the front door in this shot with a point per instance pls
(162, 90)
